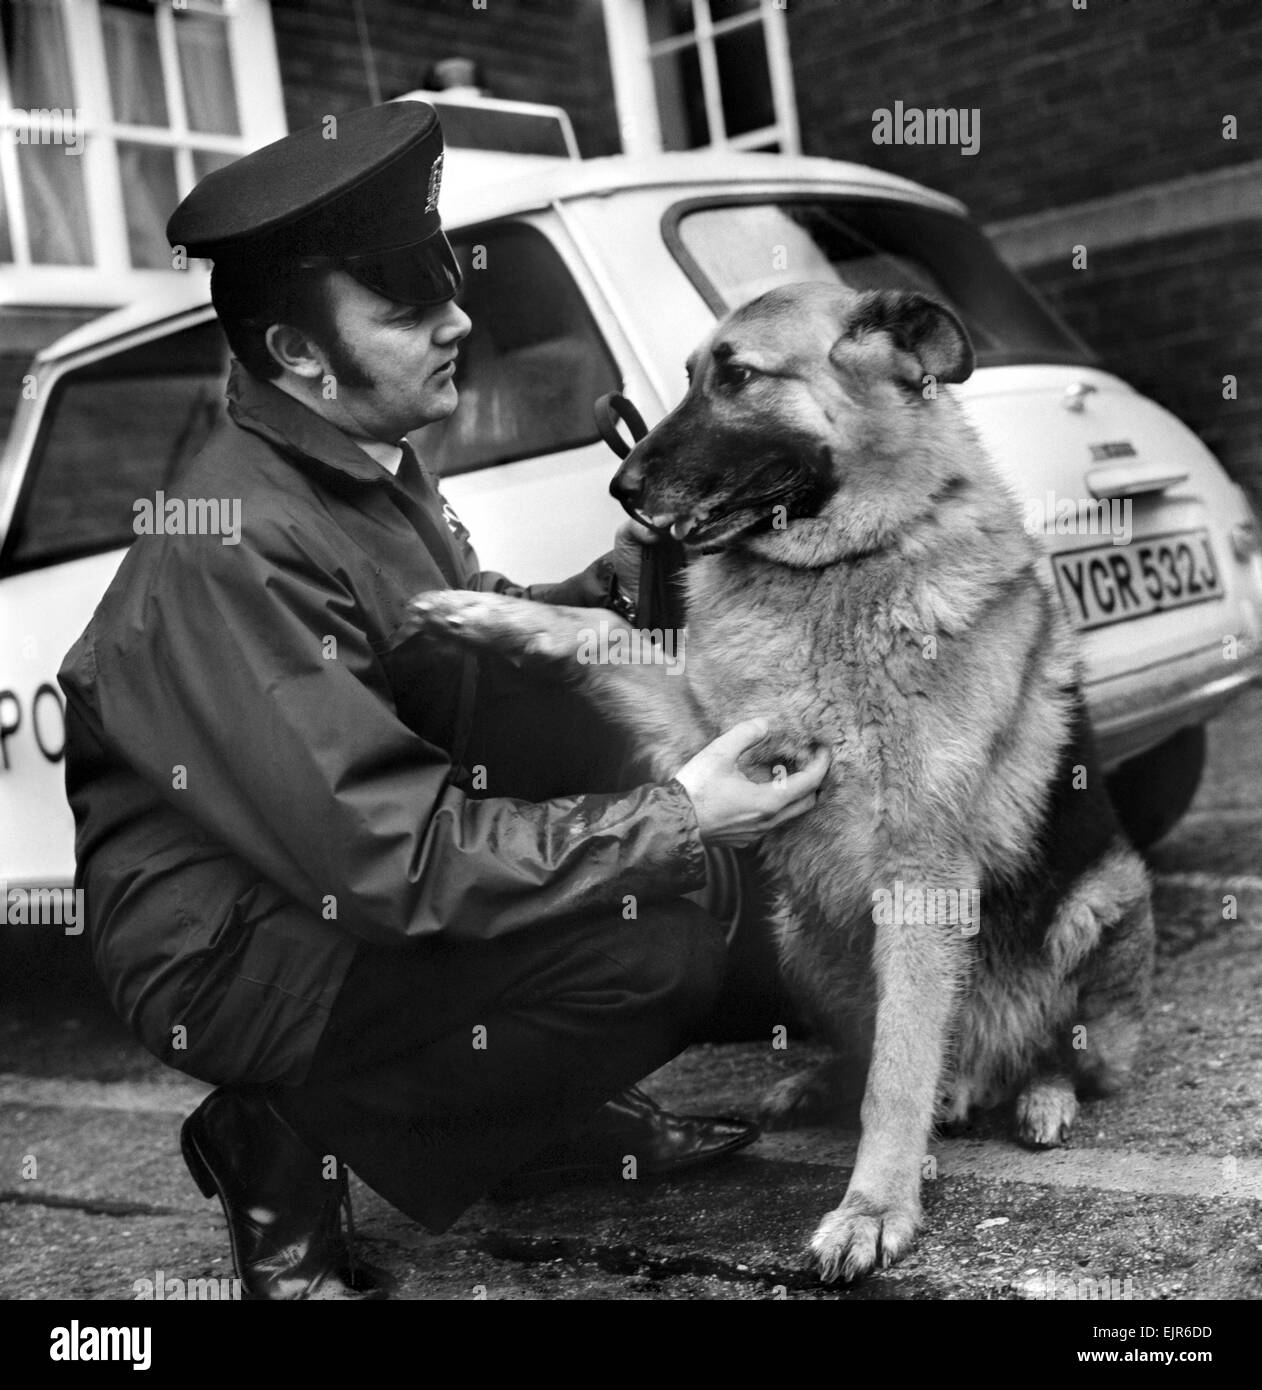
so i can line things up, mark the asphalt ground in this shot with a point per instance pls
(1155, 1202)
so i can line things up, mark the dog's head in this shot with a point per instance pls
(811, 429)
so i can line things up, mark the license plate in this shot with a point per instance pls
(1113, 583)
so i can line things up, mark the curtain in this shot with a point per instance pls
(206, 72)
(51, 174)
(150, 194)
(131, 55)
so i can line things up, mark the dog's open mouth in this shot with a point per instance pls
(774, 498)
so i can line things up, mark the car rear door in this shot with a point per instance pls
(105, 429)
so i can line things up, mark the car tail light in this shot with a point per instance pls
(1246, 540)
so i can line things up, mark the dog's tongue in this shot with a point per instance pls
(679, 529)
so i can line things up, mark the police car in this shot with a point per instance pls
(594, 276)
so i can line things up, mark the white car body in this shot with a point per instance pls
(545, 516)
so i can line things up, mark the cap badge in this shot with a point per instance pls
(435, 183)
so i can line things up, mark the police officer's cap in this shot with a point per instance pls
(358, 191)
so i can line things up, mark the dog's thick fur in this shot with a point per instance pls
(859, 576)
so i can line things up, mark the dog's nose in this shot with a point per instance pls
(627, 486)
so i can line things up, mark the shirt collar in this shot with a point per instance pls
(388, 456)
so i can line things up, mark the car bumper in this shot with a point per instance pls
(1143, 708)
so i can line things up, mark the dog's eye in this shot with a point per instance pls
(734, 374)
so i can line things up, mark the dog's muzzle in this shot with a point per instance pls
(781, 488)
(628, 488)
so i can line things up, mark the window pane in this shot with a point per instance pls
(131, 55)
(150, 195)
(729, 9)
(56, 204)
(39, 62)
(206, 71)
(117, 432)
(681, 100)
(207, 161)
(6, 239)
(669, 18)
(744, 249)
(744, 80)
(533, 365)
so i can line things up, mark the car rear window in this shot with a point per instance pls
(737, 249)
(114, 431)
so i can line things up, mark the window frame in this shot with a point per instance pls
(631, 54)
(111, 278)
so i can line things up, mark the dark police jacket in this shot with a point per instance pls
(259, 760)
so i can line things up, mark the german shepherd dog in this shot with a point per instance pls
(960, 904)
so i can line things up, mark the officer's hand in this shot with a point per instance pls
(628, 553)
(731, 809)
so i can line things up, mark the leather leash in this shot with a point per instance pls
(661, 601)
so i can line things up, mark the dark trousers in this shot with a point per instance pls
(446, 1066)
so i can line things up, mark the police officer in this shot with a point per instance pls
(294, 890)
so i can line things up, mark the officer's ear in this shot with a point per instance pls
(295, 351)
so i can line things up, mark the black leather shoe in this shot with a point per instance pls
(630, 1125)
(283, 1215)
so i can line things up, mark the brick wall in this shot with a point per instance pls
(529, 50)
(1074, 104)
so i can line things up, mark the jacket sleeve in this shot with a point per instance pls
(590, 589)
(248, 694)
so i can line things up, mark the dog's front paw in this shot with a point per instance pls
(1046, 1111)
(861, 1234)
(513, 626)
(459, 614)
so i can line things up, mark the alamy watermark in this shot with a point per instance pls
(161, 515)
(47, 125)
(1079, 516)
(82, 1342)
(938, 125)
(919, 904)
(1071, 1288)
(167, 1288)
(42, 907)
(613, 645)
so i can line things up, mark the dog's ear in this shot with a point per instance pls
(929, 331)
